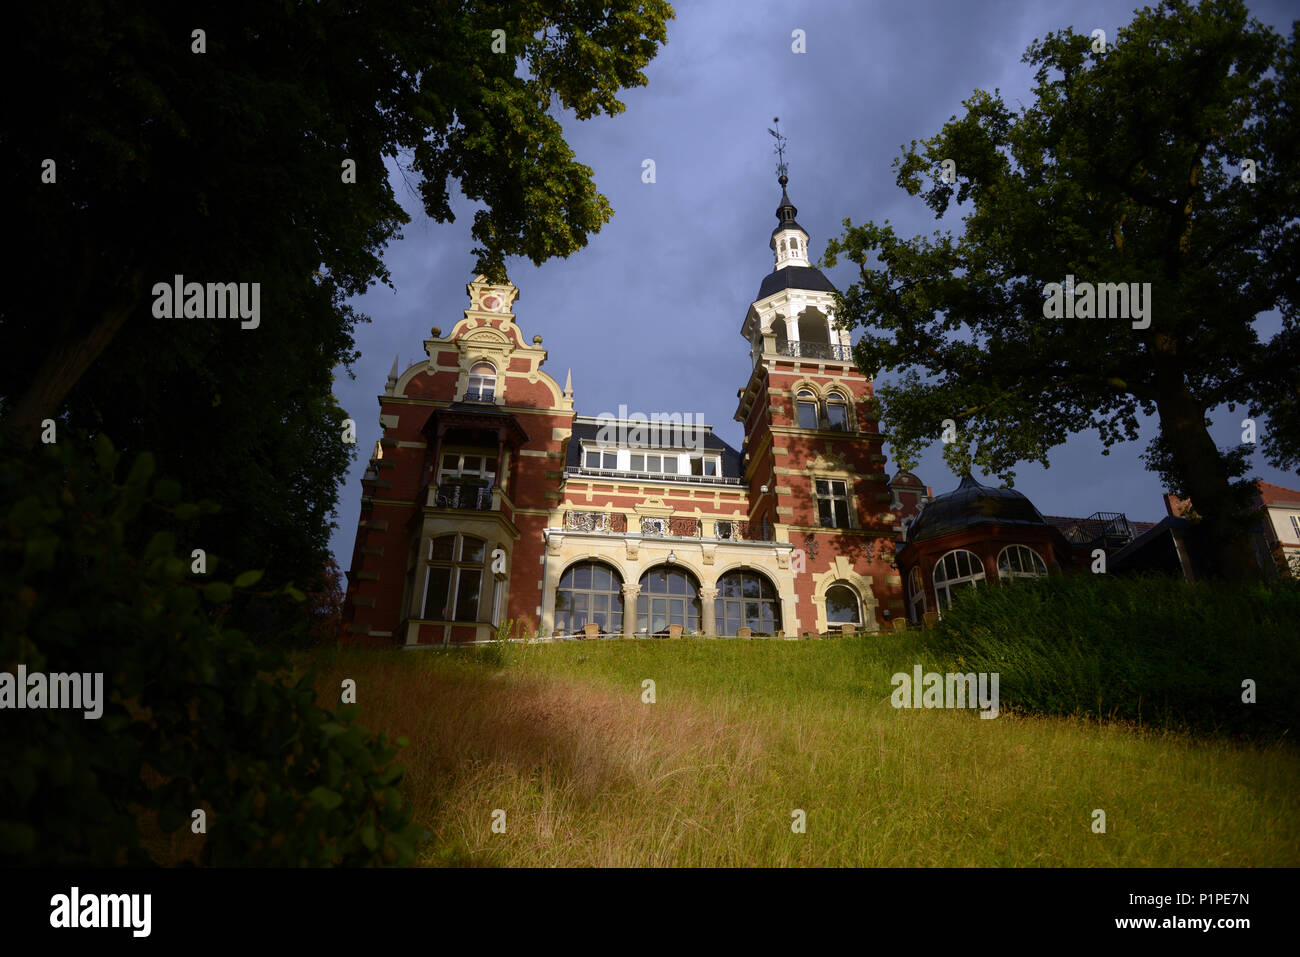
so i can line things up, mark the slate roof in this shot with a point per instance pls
(794, 277)
(971, 504)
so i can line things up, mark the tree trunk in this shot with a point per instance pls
(62, 368)
(1224, 527)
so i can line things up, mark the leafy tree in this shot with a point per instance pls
(230, 165)
(1126, 168)
(193, 714)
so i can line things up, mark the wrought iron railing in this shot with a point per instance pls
(739, 531)
(480, 395)
(613, 522)
(676, 527)
(814, 350)
(653, 476)
(463, 496)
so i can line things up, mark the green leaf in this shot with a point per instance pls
(217, 592)
(325, 797)
(248, 579)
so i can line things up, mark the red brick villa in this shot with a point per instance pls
(490, 502)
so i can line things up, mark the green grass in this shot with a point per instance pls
(744, 732)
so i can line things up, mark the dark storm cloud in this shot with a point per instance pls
(649, 313)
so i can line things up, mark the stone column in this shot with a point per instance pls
(630, 593)
(708, 622)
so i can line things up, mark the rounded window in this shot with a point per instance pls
(1020, 561)
(747, 599)
(957, 570)
(482, 382)
(589, 592)
(842, 607)
(669, 596)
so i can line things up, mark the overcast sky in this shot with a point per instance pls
(649, 314)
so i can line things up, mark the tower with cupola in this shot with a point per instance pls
(813, 459)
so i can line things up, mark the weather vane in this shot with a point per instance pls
(781, 166)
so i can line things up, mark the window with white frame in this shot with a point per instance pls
(832, 502)
(482, 382)
(842, 607)
(656, 463)
(600, 458)
(1020, 561)
(455, 578)
(957, 570)
(1295, 525)
(467, 468)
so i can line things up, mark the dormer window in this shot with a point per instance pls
(482, 383)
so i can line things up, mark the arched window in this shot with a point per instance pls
(916, 594)
(589, 591)
(747, 599)
(807, 404)
(837, 412)
(956, 570)
(1019, 561)
(482, 382)
(457, 578)
(669, 596)
(842, 605)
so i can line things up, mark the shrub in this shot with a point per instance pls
(1154, 649)
(195, 715)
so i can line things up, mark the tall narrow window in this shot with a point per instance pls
(916, 594)
(482, 382)
(832, 503)
(837, 412)
(454, 582)
(807, 404)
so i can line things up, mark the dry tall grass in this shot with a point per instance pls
(743, 734)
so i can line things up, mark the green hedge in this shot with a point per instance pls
(195, 715)
(1151, 649)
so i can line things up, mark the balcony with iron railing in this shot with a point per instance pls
(470, 497)
(814, 350)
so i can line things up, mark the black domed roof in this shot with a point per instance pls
(971, 504)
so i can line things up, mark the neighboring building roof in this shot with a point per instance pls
(971, 504)
(730, 465)
(906, 478)
(794, 277)
(1271, 494)
(1064, 523)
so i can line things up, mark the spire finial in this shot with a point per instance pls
(781, 166)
